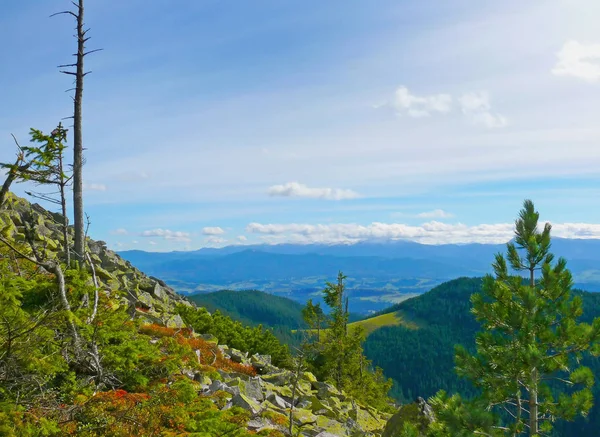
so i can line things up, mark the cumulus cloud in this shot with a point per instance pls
(213, 230)
(294, 189)
(405, 103)
(579, 60)
(436, 213)
(168, 235)
(433, 232)
(120, 231)
(94, 187)
(242, 238)
(477, 108)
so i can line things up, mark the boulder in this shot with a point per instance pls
(278, 401)
(248, 404)
(237, 356)
(303, 417)
(221, 386)
(251, 387)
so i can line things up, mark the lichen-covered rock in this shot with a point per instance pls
(281, 378)
(251, 387)
(248, 404)
(303, 417)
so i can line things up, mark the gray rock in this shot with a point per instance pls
(175, 322)
(237, 356)
(254, 389)
(160, 293)
(278, 401)
(281, 378)
(246, 403)
(217, 385)
(145, 298)
(258, 424)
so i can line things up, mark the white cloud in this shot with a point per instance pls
(579, 60)
(436, 213)
(152, 243)
(213, 230)
(576, 230)
(242, 238)
(135, 242)
(420, 106)
(428, 233)
(94, 187)
(294, 189)
(120, 231)
(168, 235)
(476, 106)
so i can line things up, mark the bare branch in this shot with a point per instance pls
(92, 51)
(64, 13)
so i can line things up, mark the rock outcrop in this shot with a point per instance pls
(146, 296)
(318, 409)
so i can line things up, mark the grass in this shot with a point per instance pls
(371, 324)
(389, 319)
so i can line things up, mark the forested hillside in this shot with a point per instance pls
(421, 361)
(253, 307)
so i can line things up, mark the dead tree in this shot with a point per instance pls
(78, 160)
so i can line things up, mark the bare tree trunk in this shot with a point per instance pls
(95, 308)
(7, 183)
(78, 139)
(12, 175)
(294, 388)
(55, 268)
(63, 205)
(533, 389)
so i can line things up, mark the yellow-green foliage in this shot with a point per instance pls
(373, 323)
(390, 319)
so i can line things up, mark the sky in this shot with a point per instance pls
(210, 123)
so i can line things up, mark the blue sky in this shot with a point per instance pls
(210, 123)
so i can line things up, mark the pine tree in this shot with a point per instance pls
(313, 317)
(527, 363)
(337, 354)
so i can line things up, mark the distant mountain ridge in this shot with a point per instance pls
(379, 274)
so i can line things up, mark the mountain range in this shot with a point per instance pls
(379, 273)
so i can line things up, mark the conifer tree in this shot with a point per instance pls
(313, 317)
(43, 165)
(527, 363)
(337, 354)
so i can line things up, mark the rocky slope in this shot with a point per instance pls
(266, 392)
